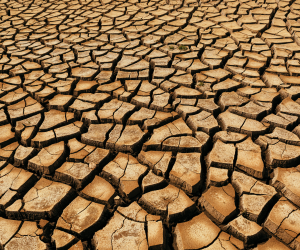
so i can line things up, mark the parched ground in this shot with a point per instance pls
(160, 124)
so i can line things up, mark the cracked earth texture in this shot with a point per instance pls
(149, 124)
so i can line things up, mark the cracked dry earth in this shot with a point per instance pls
(134, 125)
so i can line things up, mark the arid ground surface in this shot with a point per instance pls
(160, 124)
